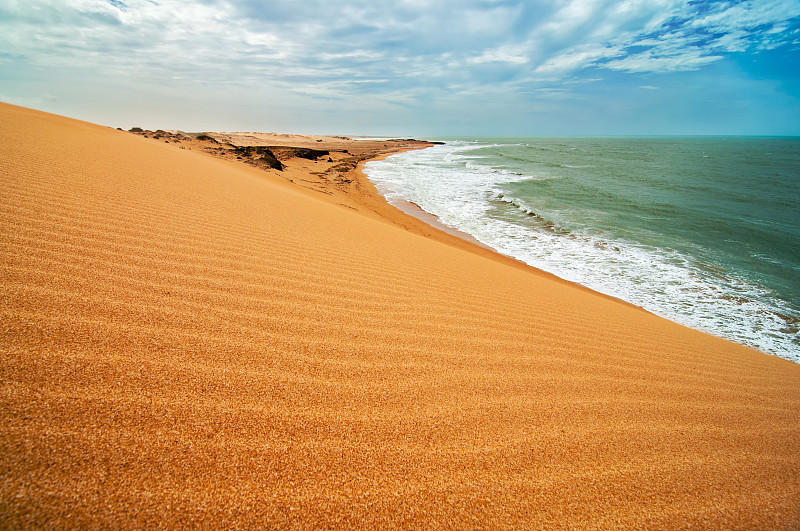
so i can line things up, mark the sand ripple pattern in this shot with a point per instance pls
(189, 343)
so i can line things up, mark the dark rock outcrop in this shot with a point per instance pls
(266, 156)
(308, 153)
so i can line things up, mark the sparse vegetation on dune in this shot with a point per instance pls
(337, 163)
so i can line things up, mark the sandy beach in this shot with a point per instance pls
(192, 341)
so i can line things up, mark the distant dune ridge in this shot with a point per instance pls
(190, 342)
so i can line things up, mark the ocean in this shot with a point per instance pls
(704, 231)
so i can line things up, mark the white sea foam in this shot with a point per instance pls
(446, 181)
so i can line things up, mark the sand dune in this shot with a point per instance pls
(187, 342)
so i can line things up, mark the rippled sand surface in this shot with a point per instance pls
(187, 342)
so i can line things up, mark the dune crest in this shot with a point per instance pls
(187, 342)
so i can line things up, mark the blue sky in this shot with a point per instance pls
(409, 67)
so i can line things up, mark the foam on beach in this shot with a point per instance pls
(190, 342)
(635, 221)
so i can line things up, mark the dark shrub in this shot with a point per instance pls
(307, 153)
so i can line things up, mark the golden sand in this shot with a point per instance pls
(189, 342)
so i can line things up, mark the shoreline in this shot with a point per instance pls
(357, 191)
(414, 211)
(417, 220)
(193, 339)
(411, 208)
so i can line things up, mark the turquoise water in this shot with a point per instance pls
(703, 231)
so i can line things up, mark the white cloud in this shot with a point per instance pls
(554, 94)
(725, 16)
(578, 57)
(582, 80)
(571, 17)
(504, 54)
(693, 42)
(648, 62)
(324, 49)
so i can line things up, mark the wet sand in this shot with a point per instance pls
(191, 341)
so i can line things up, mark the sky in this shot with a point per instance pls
(457, 68)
